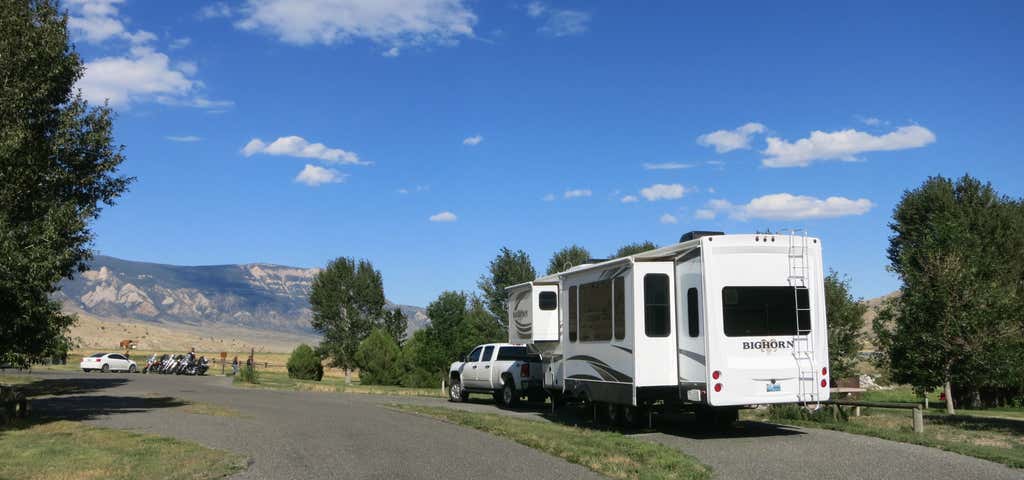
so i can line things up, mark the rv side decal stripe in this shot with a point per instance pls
(602, 367)
(627, 350)
(694, 356)
(591, 378)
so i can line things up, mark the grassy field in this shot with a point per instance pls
(936, 406)
(72, 450)
(997, 439)
(277, 380)
(608, 453)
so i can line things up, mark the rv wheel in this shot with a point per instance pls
(634, 417)
(614, 414)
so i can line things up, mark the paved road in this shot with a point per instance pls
(316, 435)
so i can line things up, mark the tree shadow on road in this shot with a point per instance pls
(69, 386)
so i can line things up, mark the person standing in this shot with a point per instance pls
(234, 366)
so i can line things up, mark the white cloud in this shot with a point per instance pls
(578, 193)
(473, 141)
(185, 138)
(871, 121)
(180, 43)
(705, 214)
(392, 52)
(315, 176)
(668, 219)
(215, 10)
(842, 145)
(188, 68)
(729, 140)
(667, 166)
(395, 22)
(660, 191)
(785, 206)
(144, 75)
(629, 199)
(445, 216)
(95, 21)
(549, 197)
(416, 189)
(295, 146)
(535, 9)
(564, 23)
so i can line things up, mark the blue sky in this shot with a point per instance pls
(426, 134)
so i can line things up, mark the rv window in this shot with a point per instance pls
(488, 350)
(765, 311)
(693, 312)
(548, 301)
(619, 288)
(596, 311)
(572, 314)
(475, 356)
(656, 305)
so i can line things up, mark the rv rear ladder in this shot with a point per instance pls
(803, 341)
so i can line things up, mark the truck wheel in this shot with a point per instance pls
(509, 395)
(456, 393)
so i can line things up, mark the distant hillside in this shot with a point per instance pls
(874, 304)
(255, 296)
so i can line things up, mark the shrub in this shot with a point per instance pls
(796, 412)
(379, 360)
(304, 364)
(248, 374)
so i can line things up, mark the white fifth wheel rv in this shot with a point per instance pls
(712, 323)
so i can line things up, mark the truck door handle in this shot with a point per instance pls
(474, 366)
(487, 366)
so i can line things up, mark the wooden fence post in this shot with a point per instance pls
(918, 421)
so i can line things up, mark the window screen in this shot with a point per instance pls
(596, 311)
(619, 288)
(656, 305)
(475, 356)
(693, 312)
(486, 357)
(765, 311)
(548, 301)
(572, 314)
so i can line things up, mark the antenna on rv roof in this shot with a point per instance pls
(697, 234)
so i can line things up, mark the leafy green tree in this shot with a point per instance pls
(458, 322)
(845, 322)
(379, 359)
(58, 168)
(507, 269)
(634, 248)
(395, 324)
(304, 364)
(956, 247)
(347, 299)
(567, 258)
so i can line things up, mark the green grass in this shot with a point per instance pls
(9, 379)
(608, 453)
(72, 450)
(280, 381)
(996, 439)
(937, 407)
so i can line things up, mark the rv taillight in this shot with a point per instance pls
(715, 374)
(824, 371)
(718, 387)
(824, 383)
(524, 370)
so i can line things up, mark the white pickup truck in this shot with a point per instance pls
(504, 370)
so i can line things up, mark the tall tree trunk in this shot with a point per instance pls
(948, 389)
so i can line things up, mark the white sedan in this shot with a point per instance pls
(106, 362)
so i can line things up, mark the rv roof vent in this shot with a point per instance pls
(697, 234)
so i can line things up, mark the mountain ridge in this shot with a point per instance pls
(260, 296)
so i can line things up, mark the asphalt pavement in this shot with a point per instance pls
(307, 435)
